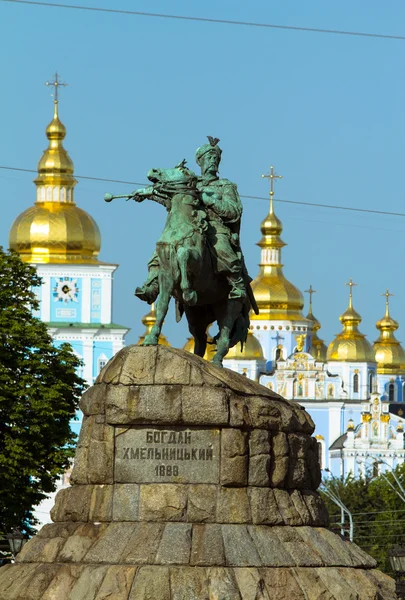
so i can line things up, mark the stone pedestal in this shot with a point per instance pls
(190, 483)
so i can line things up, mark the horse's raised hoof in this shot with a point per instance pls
(190, 297)
(150, 340)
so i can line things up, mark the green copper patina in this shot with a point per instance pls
(198, 259)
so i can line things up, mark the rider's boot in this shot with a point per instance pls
(238, 289)
(150, 289)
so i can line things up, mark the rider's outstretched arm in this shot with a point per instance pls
(151, 193)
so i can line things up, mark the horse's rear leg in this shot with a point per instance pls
(225, 324)
(162, 306)
(199, 332)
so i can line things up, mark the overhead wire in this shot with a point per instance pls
(208, 20)
(248, 197)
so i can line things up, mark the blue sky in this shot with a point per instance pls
(327, 110)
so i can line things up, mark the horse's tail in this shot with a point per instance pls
(240, 329)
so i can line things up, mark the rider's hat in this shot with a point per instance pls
(211, 147)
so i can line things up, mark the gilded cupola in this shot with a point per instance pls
(389, 353)
(276, 297)
(318, 347)
(350, 345)
(149, 321)
(55, 230)
(252, 350)
(209, 352)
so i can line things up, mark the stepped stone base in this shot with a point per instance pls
(190, 483)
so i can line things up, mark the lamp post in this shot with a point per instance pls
(397, 561)
(16, 541)
(343, 509)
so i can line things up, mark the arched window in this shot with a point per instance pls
(370, 381)
(391, 392)
(279, 353)
(376, 469)
(101, 362)
(356, 383)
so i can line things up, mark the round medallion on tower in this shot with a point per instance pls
(55, 230)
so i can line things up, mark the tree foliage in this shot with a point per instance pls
(39, 393)
(377, 508)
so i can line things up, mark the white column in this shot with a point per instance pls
(46, 298)
(334, 421)
(117, 344)
(106, 300)
(88, 358)
(86, 299)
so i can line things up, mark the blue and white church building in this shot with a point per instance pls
(62, 242)
(353, 389)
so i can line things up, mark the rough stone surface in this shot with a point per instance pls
(163, 502)
(234, 457)
(256, 531)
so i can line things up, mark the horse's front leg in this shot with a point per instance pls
(162, 306)
(226, 324)
(190, 261)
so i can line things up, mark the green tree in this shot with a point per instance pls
(377, 508)
(39, 394)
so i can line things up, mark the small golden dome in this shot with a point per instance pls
(276, 297)
(389, 353)
(252, 350)
(209, 352)
(55, 230)
(272, 227)
(350, 425)
(350, 345)
(149, 321)
(318, 347)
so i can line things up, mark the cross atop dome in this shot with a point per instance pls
(56, 84)
(310, 291)
(272, 176)
(351, 284)
(387, 296)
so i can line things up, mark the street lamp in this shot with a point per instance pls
(397, 561)
(16, 541)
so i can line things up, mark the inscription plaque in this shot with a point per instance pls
(162, 455)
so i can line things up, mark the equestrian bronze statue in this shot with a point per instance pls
(198, 258)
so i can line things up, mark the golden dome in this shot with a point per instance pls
(252, 350)
(276, 297)
(55, 230)
(149, 320)
(209, 353)
(318, 347)
(350, 345)
(389, 353)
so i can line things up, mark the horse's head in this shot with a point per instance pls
(179, 177)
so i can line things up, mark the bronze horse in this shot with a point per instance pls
(186, 266)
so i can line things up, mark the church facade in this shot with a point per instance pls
(350, 387)
(62, 242)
